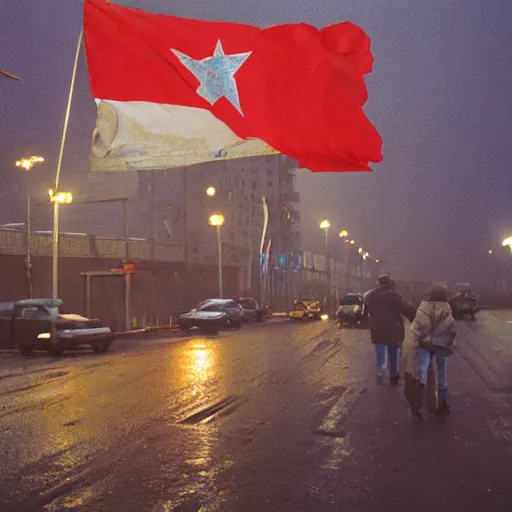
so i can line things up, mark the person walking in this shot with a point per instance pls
(433, 332)
(386, 307)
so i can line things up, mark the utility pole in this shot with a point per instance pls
(28, 261)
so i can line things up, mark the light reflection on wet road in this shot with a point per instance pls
(260, 419)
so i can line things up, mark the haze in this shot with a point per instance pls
(439, 96)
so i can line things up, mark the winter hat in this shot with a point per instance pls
(437, 292)
(384, 280)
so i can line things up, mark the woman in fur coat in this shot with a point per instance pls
(433, 333)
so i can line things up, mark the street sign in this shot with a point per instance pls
(129, 268)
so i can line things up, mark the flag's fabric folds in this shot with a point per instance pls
(173, 92)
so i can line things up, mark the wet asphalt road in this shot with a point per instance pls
(279, 417)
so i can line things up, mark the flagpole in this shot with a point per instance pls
(55, 259)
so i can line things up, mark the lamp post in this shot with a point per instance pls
(211, 191)
(217, 220)
(325, 225)
(27, 164)
(344, 236)
(57, 198)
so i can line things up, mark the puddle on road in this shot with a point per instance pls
(207, 414)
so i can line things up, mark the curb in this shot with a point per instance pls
(146, 330)
(168, 328)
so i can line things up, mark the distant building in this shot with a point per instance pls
(171, 205)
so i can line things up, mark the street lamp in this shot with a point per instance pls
(211, 191)
(217, 220)
(325, 225)
(507, 242)
(343, 234)
(26, 164)
(57, 198)
(60, 197)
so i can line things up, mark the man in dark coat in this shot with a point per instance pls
(386, 307)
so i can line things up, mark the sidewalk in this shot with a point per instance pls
(386, 462)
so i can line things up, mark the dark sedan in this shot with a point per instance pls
(212, 315)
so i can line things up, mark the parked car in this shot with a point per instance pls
(253, 312)
(213, 314)
(38, 324)
(305, 308)
(352, 311)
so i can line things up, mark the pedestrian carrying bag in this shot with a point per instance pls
(429, 342)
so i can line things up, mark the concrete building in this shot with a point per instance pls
(173, 206)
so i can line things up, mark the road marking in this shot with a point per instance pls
(331, 424)
(341, 450)
(502, 430)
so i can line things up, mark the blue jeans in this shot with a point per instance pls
(389, 354)
(426, 359)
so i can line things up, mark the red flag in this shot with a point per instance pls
(196, 90)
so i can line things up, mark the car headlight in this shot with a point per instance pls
(44, 336)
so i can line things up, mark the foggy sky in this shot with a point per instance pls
(439, 96)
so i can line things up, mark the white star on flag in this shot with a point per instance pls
(216, 74)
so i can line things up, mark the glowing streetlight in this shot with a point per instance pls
(490, 251)
(217, 220)
(377, 261)
(211, 191)
(325, 225)
(360, 250)
(352, 242)
(57, 198)
(343, 234)
(507, 242)
(60, 197)
(28, 162)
